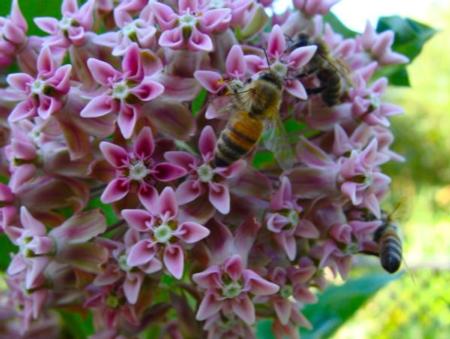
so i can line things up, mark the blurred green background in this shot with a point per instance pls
(417, 304)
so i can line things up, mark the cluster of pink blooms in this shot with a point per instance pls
(107, 111)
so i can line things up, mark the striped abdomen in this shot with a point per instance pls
(331, 83)
(237, 139)
(390, 247)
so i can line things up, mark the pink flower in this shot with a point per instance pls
(378, 46)
(360, 178)
(314, 7)
(286, 221)
(123, 92)
(12, 34)
(165, 234)
(287, 66)
(190, 28)
(42, 95)
(136, 166)
(38, 247)
(203, 177)
(367, 104)
(117, 274)
(71, 29)
(228, 288)
(141, 31)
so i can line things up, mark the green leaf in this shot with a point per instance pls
(75, 326)
(397, 75)
(262, 159)
(339, 303)
(338, 26)
(199, 101)
(335, 306)
(410, 35)
(108, 211)
(32, 9)
(6, 247)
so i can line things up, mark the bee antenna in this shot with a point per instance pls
(267, 57)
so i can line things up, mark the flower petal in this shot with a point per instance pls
(148, 90)
(209, 306)
(258, 285)
(144, 145)
(139, 220)
(20, 81)
(148, 196)
(168, 203)
(114, 154)
(207, 143)
(180, 158)
(191, 232)
(31, 223)
(116, 190)
(132, 286)
(296, 88)
(174, 260)
(199, 41)
(102, 72)
(301, 56)
(188, 191)
(165, 171)
(171, 38)
(164, 15)
(244, 309)
(127, 119)
(97, 107)
(276, 44)
(212, 81)
(219, 196)
(235, 63)
(141, 253)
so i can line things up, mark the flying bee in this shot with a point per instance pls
(390, 245)
(255, 107)
(331, 72)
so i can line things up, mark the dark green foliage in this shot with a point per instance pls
(335, 306)
(410, 37)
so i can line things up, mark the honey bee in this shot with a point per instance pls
(255, 107)
(390, 244)
(331, 72)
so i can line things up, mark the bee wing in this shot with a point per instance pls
(276, 141)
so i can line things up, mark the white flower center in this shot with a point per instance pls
(37, 87)
(138, 171)
(130, 29)
(286, 291)
(163, 233)
(65, 23)
(205, 173)
(293, 217)
(120, 90)
(279, 69)
(188, 20)
(231, 290)
(122, 261)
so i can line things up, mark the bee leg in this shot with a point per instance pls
(315, 90)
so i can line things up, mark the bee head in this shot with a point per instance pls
(271, 77)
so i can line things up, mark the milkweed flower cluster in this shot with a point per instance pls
(109, 189)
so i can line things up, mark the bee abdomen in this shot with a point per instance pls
(236, 141)
(390, 250)
(332, 84)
